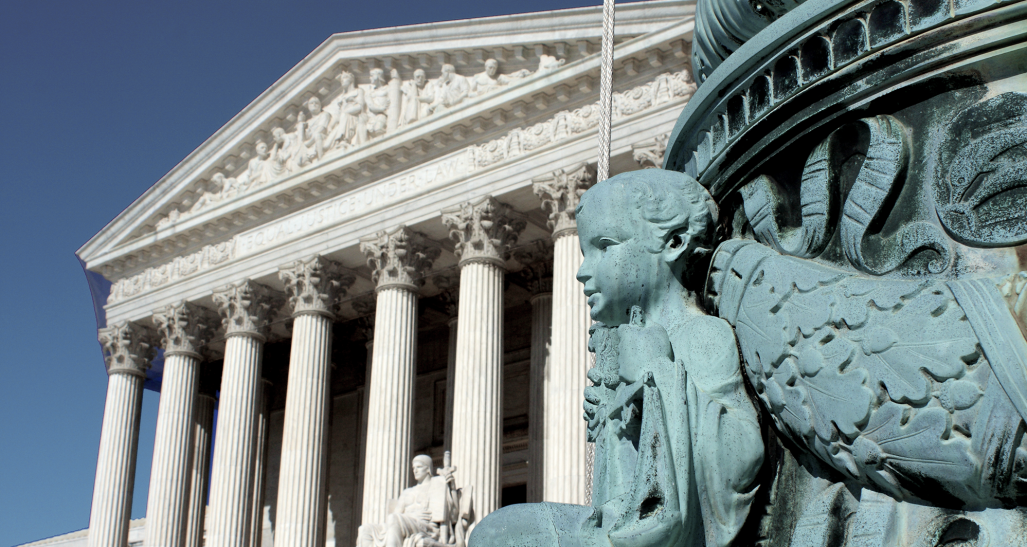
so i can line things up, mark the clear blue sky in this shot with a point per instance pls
(101, 99)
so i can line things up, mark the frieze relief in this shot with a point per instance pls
(664, 89)
(181, 267)
(359, 114)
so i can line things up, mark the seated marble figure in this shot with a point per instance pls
(677, 440)
(432, 513)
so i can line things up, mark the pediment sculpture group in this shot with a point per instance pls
(358, 114)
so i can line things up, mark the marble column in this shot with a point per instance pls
(128, 351)
(246, 309)
(267, 394)
(184, 328)
(398, 260)
(365, 306)
(450, 285)
(537, 276)
(484, 230)
(566, 476)
(314, 287)
(199, 474)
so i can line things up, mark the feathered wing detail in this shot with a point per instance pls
(883, 379)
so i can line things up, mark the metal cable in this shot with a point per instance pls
(605, 92)
(603, 169)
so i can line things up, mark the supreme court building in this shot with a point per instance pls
(375, 259)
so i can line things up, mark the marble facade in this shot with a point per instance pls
(374, 259)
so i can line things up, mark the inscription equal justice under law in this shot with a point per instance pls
(361, 201)
(665, 90)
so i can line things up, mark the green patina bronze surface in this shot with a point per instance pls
(845, 203)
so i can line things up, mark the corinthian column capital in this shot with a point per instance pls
(484, 229)
(401, 257)
(185, 328)
(128, 348)
(246, 308)
(315, 285)
(560, 193)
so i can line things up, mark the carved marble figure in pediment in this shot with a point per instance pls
(314, 132)
(350, 105)
(357, 114)
(490, 79)
(256, 174)
(379, 102)
(450, 90)
(418, 94)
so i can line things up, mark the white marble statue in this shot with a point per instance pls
(378, 104)
(282, 152)
(350, 106)
(487, 80)
(450, 90)
(315, 132)
(219, 188)
(256, 170)
(418, 93)
(548, 63)
(432, 513)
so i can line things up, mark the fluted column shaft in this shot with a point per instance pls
(128, 351)
(565, 466)
(172, 450)
(246, 309)
(478, 383)
(398, 260)
(390, 412)
(484, 230)
(184, 329)
(314, 286)
(565, 445)
(115, 465)
(199, 476)
(541, 335)
(260, 463)
(362, 443)
(303, 477)
(232, 474)
(450, 378)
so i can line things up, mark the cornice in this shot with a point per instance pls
(279, 102)
(343, 236)
(664, 91)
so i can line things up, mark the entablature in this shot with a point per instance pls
(471, 125)
(334, 226)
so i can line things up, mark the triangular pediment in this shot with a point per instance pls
(369, 104)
